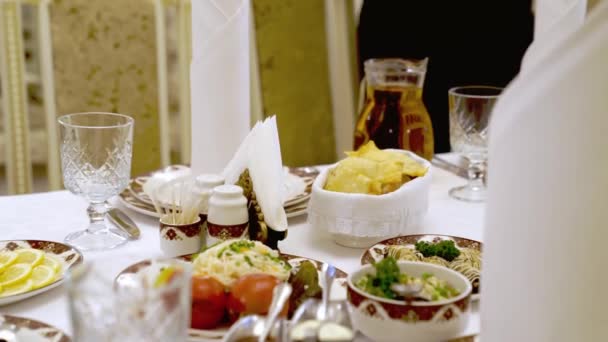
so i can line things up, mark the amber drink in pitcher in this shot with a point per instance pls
(393, 114)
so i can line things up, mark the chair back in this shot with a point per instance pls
(130, 57)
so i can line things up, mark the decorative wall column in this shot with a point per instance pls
(14, 99)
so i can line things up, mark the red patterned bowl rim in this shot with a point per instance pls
(461, 296)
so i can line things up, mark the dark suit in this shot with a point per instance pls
(468, 42)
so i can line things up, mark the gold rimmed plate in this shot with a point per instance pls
(298, 188)
(66, 254)
(338, 289)
(33, 330)
(380, 250)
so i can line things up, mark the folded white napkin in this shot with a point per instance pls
(553, 21)
(260, 152)
(219, 79)
(544, 273)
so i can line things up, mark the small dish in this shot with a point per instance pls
(67, 255)
(32, 330)
(380, 250)
(421, 321)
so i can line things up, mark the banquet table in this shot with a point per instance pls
(52, 215)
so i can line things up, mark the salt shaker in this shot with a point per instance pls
(205, 184)
(228, 217)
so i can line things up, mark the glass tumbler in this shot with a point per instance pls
(148, 302)
(470, 111)
(96, 150)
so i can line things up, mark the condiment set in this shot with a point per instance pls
(228, 217)
(221, 215)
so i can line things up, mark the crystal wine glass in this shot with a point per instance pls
(470, 110)
(96, 151)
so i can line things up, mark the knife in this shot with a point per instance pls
(124, 222)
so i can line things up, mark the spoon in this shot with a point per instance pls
(407, 291)
(329, 274)
(8, 332)
(280, 295)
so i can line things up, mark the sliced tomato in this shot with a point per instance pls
(252, 294)
(208, 302)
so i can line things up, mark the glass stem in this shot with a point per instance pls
(97, 213)
(476, 173)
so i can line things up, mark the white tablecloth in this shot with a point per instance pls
(52, 215)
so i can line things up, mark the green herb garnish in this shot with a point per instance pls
(445, 249)
(248, 260)
(387, 273)
(241, 246)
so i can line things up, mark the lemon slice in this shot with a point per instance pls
(52, 262)
(20, 287)
(42, 276)
(14, 274)
(164, 276)
(6, 259)
(30, 256)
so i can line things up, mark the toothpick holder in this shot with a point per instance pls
(180, 239)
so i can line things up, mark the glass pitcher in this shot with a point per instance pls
(393, 115)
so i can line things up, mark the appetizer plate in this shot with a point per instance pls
(35, 331)
(338, 289)
(378, 251)
(68, 255)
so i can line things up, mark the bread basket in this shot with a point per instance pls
(361, 220)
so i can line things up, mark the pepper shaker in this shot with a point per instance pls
(228, 217)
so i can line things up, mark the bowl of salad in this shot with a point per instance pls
(402, 300)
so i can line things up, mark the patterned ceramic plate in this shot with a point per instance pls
(379, 251)
(338, 289)
(128, 200)
(135, 199)
(298, 188)
(35, 331)
(68, 255)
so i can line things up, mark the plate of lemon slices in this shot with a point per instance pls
(30, 267)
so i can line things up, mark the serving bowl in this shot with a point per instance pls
(361, 220)
(384, 319)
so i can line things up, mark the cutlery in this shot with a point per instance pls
(124, 222)
(329, 274)
(448, 166)
(280, 295)
(407, 291)
(305, 171)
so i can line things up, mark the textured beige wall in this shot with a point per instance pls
(105, 60)
(291, 42)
